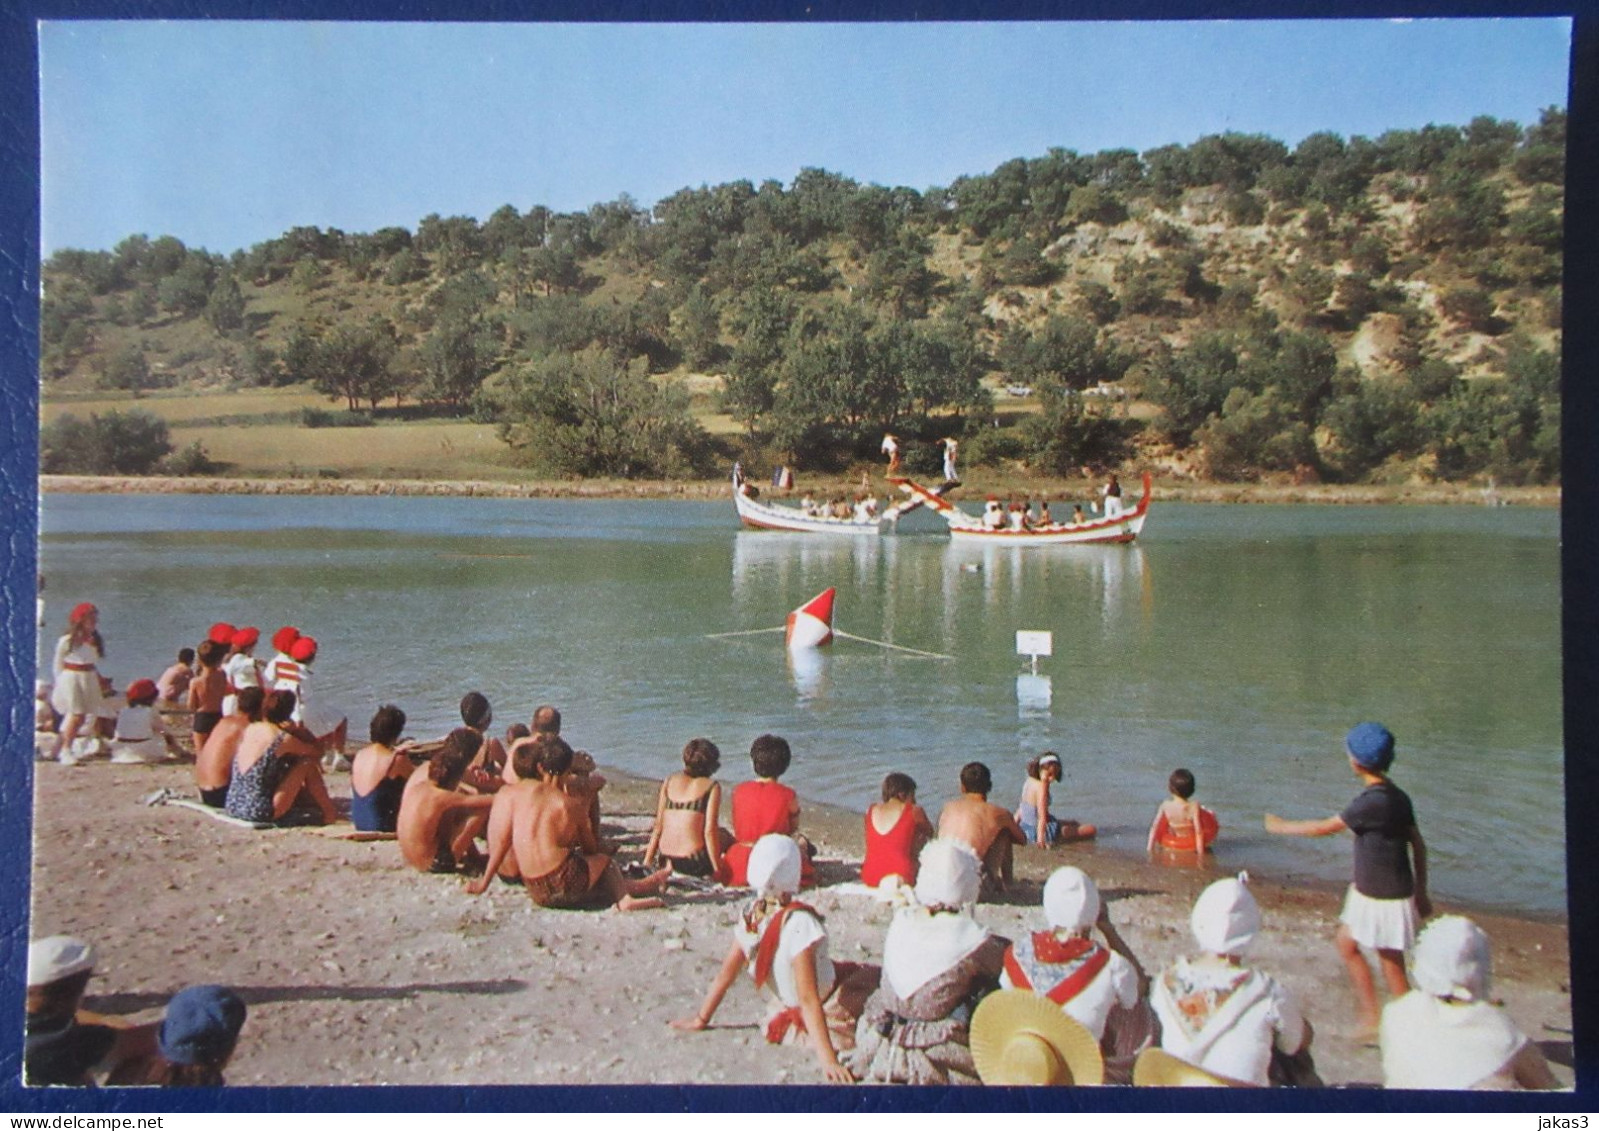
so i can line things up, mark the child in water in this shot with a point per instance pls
(1182, 824)
(1390, 882)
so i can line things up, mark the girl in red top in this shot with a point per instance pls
(895, 832)
(765, 806)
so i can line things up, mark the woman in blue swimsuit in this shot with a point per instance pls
(379, 772)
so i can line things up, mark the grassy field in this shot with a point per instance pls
(256, 432)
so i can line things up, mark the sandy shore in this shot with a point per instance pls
(1167, 490)
(358, 971)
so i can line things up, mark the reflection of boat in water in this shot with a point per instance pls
(1121, 527)
(763, 515)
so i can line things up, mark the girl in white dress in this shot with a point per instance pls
(76, 695)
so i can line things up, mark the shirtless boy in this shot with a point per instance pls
(213, 766)
(437, 824)
(206, 691)
(541, 833)
(991, 831)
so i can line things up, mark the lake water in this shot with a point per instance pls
(1239, 641)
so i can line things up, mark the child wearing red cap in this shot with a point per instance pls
(242, 668)
(1390, 882)
(76, 695)
(141, 736)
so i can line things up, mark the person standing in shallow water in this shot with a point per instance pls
(1389, 890)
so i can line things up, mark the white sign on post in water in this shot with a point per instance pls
(1034, 644)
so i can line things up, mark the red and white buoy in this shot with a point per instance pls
(811, 625)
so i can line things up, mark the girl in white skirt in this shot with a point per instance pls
(1389, 890)
(76, 696)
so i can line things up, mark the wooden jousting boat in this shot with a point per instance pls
(964, 527)
(755, 512)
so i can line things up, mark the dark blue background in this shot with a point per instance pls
(19, 278)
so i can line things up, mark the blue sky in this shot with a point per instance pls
(226, 133)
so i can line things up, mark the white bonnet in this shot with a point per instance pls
(1071, 901)
(774, 865)
(1452, 959)
(1226, 917)
(57, 957)
(949, 875)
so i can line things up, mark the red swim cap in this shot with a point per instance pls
(283, 639)
(142, 691)
(221, 632)
(304, 649)
(246, 637)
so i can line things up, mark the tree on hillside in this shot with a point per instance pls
(594, 413)
(453, 359)
(1190, 384)
(1541, 157)
(697, 330)
(126, 369)
(224, 308)
(350, 360)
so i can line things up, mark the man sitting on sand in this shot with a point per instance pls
(213, 766)
(59, 1048)
(437, 824)
(988, 829)
(540, 833)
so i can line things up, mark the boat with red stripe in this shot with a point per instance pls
(964, 527)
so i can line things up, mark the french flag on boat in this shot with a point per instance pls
(811, 625)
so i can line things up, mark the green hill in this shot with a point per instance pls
(1347, 310)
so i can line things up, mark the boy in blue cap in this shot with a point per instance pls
(1390, 883)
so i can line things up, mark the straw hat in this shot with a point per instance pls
(1157, 1068)
(1019, 1038)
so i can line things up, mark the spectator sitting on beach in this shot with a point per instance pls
(173, 683)
(783, 943)
(1032, 812)
(141, 737)
(766, 806)
(437, 823)
(546, 720)
(687, 807)
(277, 768)
(1223, 1017)
(1447, 1033)
(896, 829)
(581, 778)
(1182, 824)
(59, 1048)
(937, 963)
(46, 720)
(985, 828)
(490, 761)
(194, 1042)
(1100, 987)
(213, 766)
(207, 691)
(540, 835)
(379, 773)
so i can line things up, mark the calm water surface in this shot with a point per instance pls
(1239, 641)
